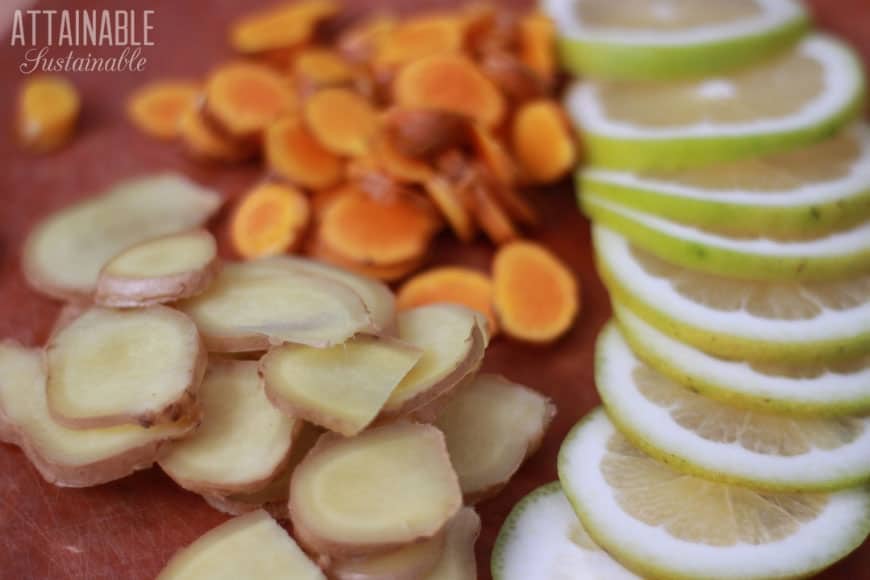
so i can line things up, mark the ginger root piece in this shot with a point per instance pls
(293, 153)
(319, 68)
(342, 120)
(418, 38)
(410, 562)
(286, 26)
(542, 142)
(450, 83)
(254, 305)
(536, 296)
(203, 141)
(450, 284)
(69, 457)
(242, 442)
(425, 133)
(270, 219)
(160, 270)
(121, 367)
(48, 108)
(64, 253)
(492, 425)
(341, 388)
(387, 487)
(252, 546)
(156, 108)
(244, 98)
(452, 206)
(537, 44)
(457, 560)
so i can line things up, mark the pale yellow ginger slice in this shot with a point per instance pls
(457, 561)
(410, 562)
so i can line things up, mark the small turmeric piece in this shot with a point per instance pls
(156, 108)
(452, 206)
(493, 219)
(244, 98)
(48, 108)
(387, 273)
(542, 142)
(537, 44)
(536, 296)
(361, 42)
(286, 26)
(424, 133)
(458, 285)
(293, 153)
(318, 68)
(515, 79)
(418, 38)
(204, 141)
(493, 156)
(343, 121)
(270, 219)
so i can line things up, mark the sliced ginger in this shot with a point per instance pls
(457, 561)
(342, 120)
(451, 284)
(252, 546)
(492, 425)
(536, 296)
(244, 98)
(156, 108)
(286, 26)
(161, 270)
(410, 562)
(204, 141)
(387, 487)
(48, 109)
(270, 219)
(542, 141)
(293, 153)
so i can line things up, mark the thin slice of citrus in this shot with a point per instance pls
(664, 524)
(801, 192)
(657, 39)
(542, 539)
(796, 98)
(806, 323)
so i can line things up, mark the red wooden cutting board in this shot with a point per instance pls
(130, 528)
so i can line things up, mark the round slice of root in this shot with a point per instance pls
(317, 68)
(270, 219)
(156, 108)
(452, 206)
(63, 254)
(342, 388)
(119, 367)
(388, 487)
(284, 26)
(425, 133)
(457, 560)
(293, 153)
(342, 120)
(48, 109)
(63, 456)
(243, 98)
(205, 141)
(250, 546)
(161, 270)
(452, 284)
(490, 215)
(383, 272)
(242, 442)
(543, 143)
(410, 562)
(492, 425)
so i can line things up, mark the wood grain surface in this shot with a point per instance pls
(127, 530)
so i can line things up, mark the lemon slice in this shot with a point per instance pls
(785, 322)
(654, 39)
(724, 442)
(661, 523)
(542, 539)
(792, 99)
(806, 191)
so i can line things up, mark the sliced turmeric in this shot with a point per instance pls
(493, 219)
(450, 82)
(452, 206)
(156, 108)
(493, 156)
(244, 97)
(288, 25)
(387, 273)
(537, 44)
(48, 109)
(361, 42)
(420, 37)
(374, 180)
(518, 81)
(343, 121)
(515, 205)
(270, 219)
(322, 198)
(318, 68)
(398, 165)
(536, 296)
(542, 142)
(293, 153)
(489, 29)
(458, 285)
(425, 133)
(203, 141)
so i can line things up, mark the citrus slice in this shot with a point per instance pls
(806, 191)
(785, 322)
(725, 442)
(839, 254)
(542, 539)
(664, 524)
(793, 99)
(656, 39)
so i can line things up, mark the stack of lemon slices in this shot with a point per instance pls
(729, 190)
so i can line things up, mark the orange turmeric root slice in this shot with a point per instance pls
(48, 108)
(452, 206)
(318, 68)
(419, 38)
(518, 81)
(156, 108)
(386, 273)
(493, 156)
(271, 219)
(243, 98)
(293, 153)
(542, 142)
(285, 26)
(493, 220)
(360, 43)
(450, 284)
(537, 44)
(536, 296)
(425, 133)
(343, 121)
(450, 82)
(203, 141)
(397, 164)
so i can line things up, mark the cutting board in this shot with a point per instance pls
(127, 530)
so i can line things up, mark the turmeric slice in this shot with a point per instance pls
(419, 38)
(323, 198)
(536, 296)
(518, 81)
(423, 133)
(205, 142)
(451, 205)
(386, 273)
(271, 219)
(285, 26)
(489, 29)
(537, 44)
(317, 68)
(156, 108)
(48, 108)
(542, 142)
(493, 156)
(493, 220)
(397, 164)
(450, 82)
(458, 285)
(360, 43)
(243, 98)
(343, 121)
(293, 153)
(374, 180)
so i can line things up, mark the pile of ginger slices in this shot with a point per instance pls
(278, 389)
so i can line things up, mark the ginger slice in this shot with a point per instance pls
(242, 442)
(293, 153)
(342, 388)
(156, 108)
(425, 133)
(387, 487)
(119, 367)
(244, 98)
(270, 219)
(452, 284)
(161, 270)
(48, 109)
(451, 205)
(457, 561)
(410, 562)
(285, 26)
(451, 83)
(343, 121)
(536, 296)
(418, 38)
(542, 142)
(537, 44)
(492, 425)
(69, 457)
(63, 254)
(252, 546)
(204, 141)
(253, 305)
(318, 68)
